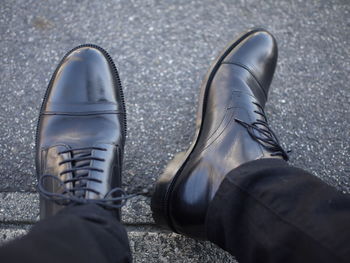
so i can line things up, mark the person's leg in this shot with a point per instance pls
(82, 233)
(268, 211)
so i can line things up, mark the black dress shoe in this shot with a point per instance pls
(81, 133)
(231, 130)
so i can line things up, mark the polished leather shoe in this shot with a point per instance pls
(232, 129)
(81, 134)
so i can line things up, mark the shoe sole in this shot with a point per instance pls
(117, 84)
(164, 186)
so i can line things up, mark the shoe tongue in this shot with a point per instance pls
(81, 173)
(107, 172)
(111, 167)
(52, 159)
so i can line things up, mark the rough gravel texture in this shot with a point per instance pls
(162, 50)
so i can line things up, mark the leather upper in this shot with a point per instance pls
(85, 81)
(83, 109)
(240, 83)
(260, 62)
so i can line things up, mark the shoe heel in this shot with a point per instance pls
(161, 195)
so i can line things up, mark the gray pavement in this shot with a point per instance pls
(162, 50)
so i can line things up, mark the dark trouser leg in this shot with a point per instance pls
(85, 233)
(267, 211)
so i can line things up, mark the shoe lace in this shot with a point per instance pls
(264, 135)
(81, 165)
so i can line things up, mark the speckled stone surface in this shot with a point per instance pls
(10, 233)
(162, 50)
(149, 246)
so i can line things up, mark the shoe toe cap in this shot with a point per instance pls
(258, 54)
(85, 76)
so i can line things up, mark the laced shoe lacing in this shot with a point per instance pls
(263, 134)
(75, 193)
